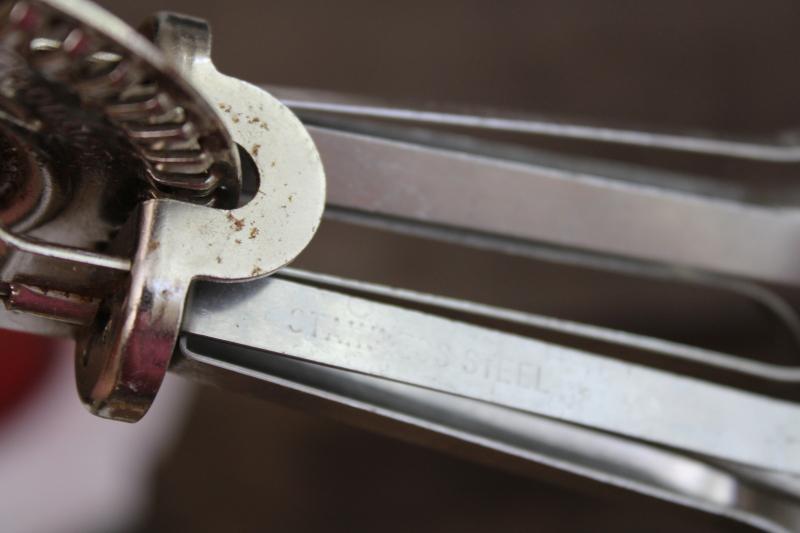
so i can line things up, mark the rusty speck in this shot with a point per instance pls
(236, 223)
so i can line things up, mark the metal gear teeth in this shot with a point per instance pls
(178, 158)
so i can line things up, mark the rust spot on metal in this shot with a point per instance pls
(256, 120)
(236, 223)
(256, 271)
(256, 148)
(237, 241)
(253, 233)
(152, 246)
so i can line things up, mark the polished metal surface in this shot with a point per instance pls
(122, 362)
(135, 176)
(371, 338)
(621, 339)
(163, 117)
(524, 443)
(75, 255)
(559, 207)
(187, 151)
(316, 105)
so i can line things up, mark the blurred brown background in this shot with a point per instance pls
(713, 65)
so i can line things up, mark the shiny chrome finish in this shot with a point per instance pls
(72, 255)
(698, 427)
(521, 442)
(356, 335)
(55, 305)
(124, 359)
(167, 115)
(560, 207)
(119, 73)
(319, 105)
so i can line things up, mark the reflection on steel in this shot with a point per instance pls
(375, 339)
(559, 207)
(203, 117)
(74, 255)
(526, 442)
(642, 343)
(56, 305)
(160, 191)
(776, 153)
